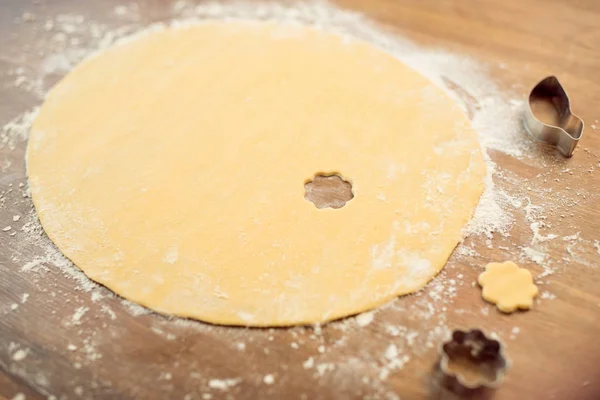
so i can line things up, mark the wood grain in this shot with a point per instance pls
(554, 355)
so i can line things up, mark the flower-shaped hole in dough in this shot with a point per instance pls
(508, 286)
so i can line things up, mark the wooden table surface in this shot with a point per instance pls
(59, 339)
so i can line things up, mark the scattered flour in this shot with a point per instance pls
(166, 335)
(535, 255)
(537, 236)
(90, 350)
(96, 296)
(547, 296)
(20, 355)
(17, 130)
(365, 318)
(571, 238)
(79, 313)
(393, 361)
(223, 384)
(165, 376)
(391, 352)
(514, 332)
(108, 311)
(309, 363)
(323, 368)
(135, 309)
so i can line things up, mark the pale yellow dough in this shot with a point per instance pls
(172, 168)
(508, 286)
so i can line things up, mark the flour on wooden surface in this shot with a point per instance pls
(365, 318)
(547, 296)
(223, 384)
(495, 115)
(108, 311)
(79, 313)
(19, 355)
(269, 379)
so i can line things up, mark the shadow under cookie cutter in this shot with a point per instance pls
(548, 117)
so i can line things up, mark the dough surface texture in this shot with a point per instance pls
(508, 286)
(171, 169)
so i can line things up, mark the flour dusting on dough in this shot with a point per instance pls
(172, 255)
(418, 267)
(383, 254)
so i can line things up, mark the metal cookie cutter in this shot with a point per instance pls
(471, 365)
(549, 119)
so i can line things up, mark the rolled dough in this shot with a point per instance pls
(172, 168)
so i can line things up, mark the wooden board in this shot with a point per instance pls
(64, 341)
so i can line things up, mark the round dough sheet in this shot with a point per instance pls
(172, 169)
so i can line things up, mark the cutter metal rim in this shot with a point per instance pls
(550, 89)
(480, 382)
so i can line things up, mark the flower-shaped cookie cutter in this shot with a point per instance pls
(548, 117)
(471, 364)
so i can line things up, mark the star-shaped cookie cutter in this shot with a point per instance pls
(471, 364)
(559, 128)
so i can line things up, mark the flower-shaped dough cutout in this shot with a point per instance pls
(508, 286)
